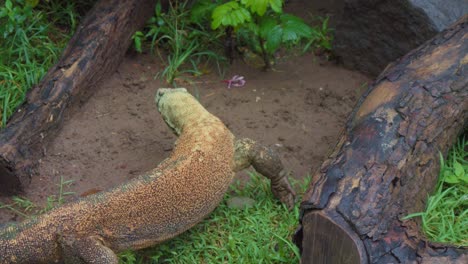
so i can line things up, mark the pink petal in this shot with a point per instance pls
(239, 83)
(236, 81)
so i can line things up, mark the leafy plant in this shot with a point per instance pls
(262, 232)
(200, 11)
(446, 216)
(321, 37)
(180, 31)
(262, 24)
(137, 40)
(259, 25)
(230, 14)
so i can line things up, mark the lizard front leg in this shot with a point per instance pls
(86, 250)
(267, 162)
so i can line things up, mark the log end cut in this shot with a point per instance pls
(329, 242)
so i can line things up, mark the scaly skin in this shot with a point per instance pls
(153, 207)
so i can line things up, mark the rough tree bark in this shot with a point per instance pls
(386, 161)
(94, 51)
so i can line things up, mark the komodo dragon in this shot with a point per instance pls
(153, 207)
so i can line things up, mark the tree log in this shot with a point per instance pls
(386, 162)
(95, 50)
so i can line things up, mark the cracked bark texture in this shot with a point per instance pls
(95, 50)
(387, 161)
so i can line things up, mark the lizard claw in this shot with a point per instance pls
(283, 191)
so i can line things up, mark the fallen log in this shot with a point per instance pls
(94, 51)
(386, 161)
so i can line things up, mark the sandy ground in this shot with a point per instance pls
(299, 108)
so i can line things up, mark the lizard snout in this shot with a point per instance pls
(159, 94)
(162, 91)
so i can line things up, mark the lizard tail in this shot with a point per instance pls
(17, 246)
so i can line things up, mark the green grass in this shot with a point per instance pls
(29, 45)
(260, 234)
(445, 219)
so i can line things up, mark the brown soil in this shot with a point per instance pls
(299, 108)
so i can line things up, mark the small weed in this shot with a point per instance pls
(187, 42)
(54, 201)
(263, 27)
(445, 219)
(20, 206)
(26, 208)
(260, 234)
(321, 38)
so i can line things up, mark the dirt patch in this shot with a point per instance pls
(299, 108)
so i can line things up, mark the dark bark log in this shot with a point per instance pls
(387, 161)
(95, 50)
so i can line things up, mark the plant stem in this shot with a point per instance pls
(264, 54)
(261, 41)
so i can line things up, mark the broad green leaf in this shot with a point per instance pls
(290, 18)
(201, 10)
(8, 4)
(451, 179)
(138, 34)
(290, 36)
(276, 5)
(256, 6)
(229, 14)
(447, 173)
(267, 23)
(237, 16)
(294, 28)
(158, 9)
(253, 27)
(223, 9)
(326, 43)
(465, 179)
(273, 39)
(137, 40)
(458, 169)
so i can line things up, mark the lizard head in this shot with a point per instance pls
(175, 105)
(167, 92)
